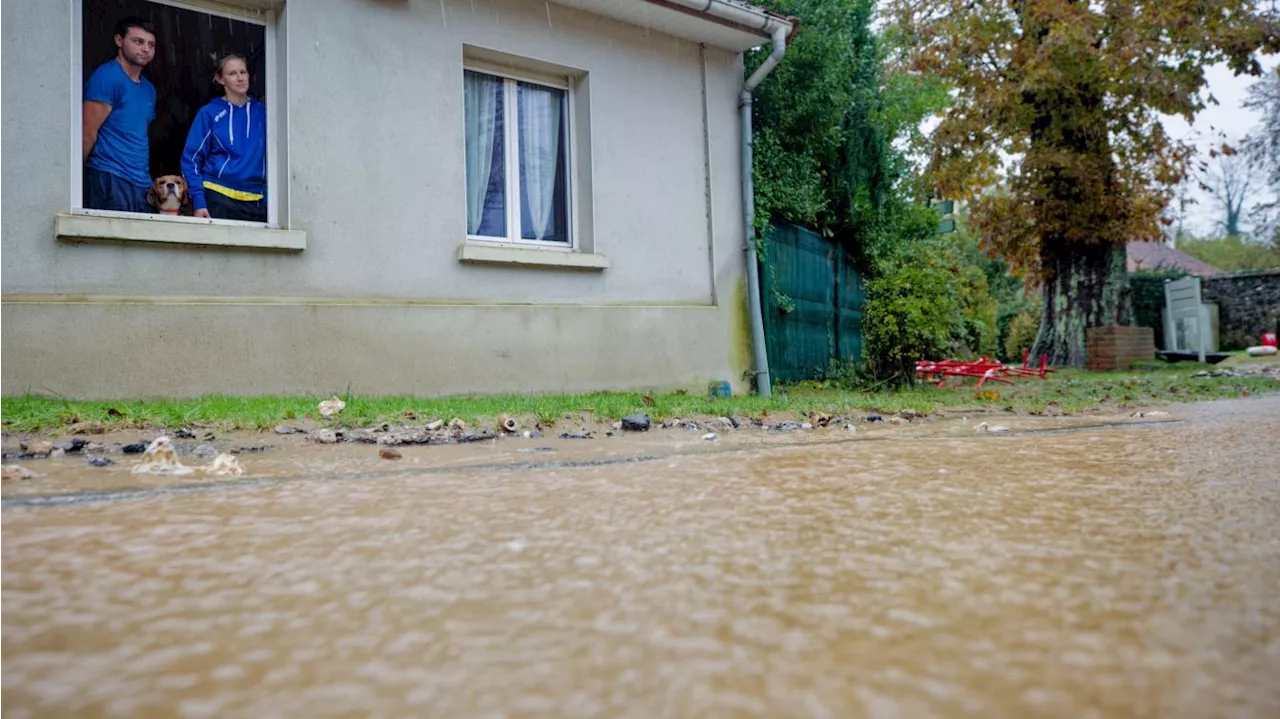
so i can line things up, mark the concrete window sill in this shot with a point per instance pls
(529, 257)
(179, 231)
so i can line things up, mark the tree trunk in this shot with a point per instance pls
(1088, 287)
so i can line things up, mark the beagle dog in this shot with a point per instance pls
(168, 194)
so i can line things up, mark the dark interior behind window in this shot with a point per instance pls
(187, 41)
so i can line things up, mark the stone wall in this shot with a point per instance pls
(1118, 347)
(1248, 305)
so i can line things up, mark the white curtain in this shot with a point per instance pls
(540, 151)
(480, 95)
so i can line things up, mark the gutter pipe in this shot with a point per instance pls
(763, 384)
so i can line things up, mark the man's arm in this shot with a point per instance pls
(94, 114)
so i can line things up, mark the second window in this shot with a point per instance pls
(517, 157)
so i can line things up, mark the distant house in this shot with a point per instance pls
(1159, 256)
(463, 196)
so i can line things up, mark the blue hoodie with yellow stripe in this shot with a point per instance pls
(226, 152)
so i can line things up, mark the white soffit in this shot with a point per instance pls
(674, 19)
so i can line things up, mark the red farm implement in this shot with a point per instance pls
(984, 369)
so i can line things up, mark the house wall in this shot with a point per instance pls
(378, 300)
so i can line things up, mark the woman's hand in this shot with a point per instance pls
(201, 213)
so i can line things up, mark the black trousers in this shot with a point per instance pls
(224, 208)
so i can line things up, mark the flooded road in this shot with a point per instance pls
(1114, 571)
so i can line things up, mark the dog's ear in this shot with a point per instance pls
(151, 197)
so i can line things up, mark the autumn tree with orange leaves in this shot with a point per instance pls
(1053, 134)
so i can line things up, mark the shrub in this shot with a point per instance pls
(1022, 333)
(1147, 292)
(909, 316)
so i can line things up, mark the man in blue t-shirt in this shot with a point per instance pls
(119, 105)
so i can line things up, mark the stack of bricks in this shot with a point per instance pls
(1116, 347)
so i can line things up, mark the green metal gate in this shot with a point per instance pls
(812, 302)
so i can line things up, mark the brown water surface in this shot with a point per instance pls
(903, 572)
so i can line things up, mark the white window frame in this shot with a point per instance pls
(265, 18)
(511, 160)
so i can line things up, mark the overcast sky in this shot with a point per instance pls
(1229, 117)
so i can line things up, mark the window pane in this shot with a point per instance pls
(544, 167)
(486, 169)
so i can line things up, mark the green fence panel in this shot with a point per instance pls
(812, 304)
(850, 298)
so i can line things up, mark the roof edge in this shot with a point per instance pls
(739, 16)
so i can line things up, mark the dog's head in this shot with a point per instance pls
(168, 194)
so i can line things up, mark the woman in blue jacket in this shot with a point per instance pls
(225, 159)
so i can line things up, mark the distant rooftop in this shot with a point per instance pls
(1158, 256)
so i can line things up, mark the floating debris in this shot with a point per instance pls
(286, 429)
(70, 446)
(710, 437)
(1152, 413)
(135, 448)
(575, 435)
(14, 472)
(850, 428)
(435, 425)
(457, 424)
(536, 450)
(1217, 373)
(635, 423)
(160, 458)
(331, 407)
(183, 433)
(476, 437)
(722, 424)
(404, 435)
(507, 423)
(224, 465)
(820, 419)
(98, 461)
(325, 436)
(39, 449)
(204, 451)
(389, 453)
(985, 428)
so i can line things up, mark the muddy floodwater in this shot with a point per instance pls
(1060, 569)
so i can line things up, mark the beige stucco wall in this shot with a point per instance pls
(378, 300)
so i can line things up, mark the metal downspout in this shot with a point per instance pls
(763, 383)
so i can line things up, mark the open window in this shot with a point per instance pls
(189, 35)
